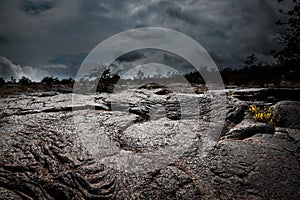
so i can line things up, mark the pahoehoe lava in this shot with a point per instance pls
(40, 157)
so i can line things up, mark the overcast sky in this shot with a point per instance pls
(52, 37)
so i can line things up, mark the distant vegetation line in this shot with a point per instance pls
(251, 75)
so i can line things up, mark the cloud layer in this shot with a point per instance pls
(9, 69)
(38, 33)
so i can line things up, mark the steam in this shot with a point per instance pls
(8, 69)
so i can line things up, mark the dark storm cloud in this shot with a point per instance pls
(73, 59)
(178, 13)
(35, 32)
(61, 71)
(34, 7)
(3, 39)
(93, 7)
(177, 62)
(131, 56)
(144, 56)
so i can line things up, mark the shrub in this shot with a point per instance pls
(50, 80)
(229, 93)
(2, 81)
(267, 114)
(24, 80)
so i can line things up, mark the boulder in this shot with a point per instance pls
(289, 112)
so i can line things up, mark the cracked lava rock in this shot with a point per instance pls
(46, 154)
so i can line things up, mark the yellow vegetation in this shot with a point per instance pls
(267, 114)
(229, 93)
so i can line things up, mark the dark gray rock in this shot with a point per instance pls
(248, 130)
(46, 154)
(151, 86)
(289, 112)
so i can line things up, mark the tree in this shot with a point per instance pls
(2, 81)
(106, 73)
(67, 81)
(289, 39)
(250, 61)
(49, 80)
(140, 75)
(24, 80)
(107, 81)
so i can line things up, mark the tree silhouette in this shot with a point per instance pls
(106, 73)
(140, 75)
(24, 80)
(67, 81)
(49, 80)
(2, 81)
(250, 61)
(289, 39)
(107, 81)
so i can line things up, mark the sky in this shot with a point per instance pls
(52, 37)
